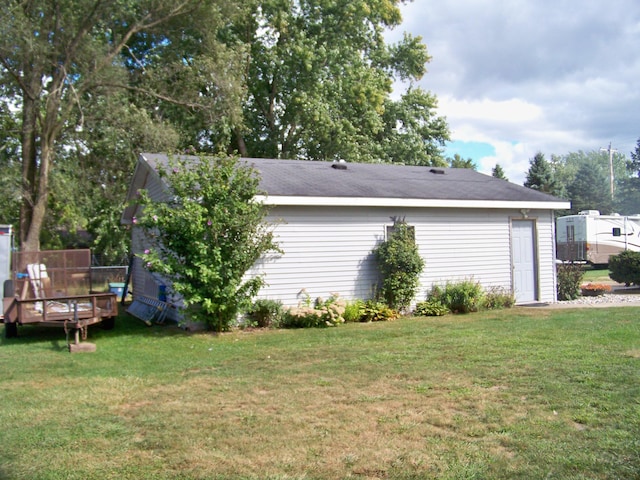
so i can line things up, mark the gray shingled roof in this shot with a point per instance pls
(301, 178)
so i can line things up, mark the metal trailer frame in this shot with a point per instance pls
(53, 288)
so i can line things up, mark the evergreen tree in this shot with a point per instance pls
(627, 199)
(590, 190)
(458, 162)
(498, 172)
(540, 175)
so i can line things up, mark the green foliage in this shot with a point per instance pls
(320, 80)
(625, 267)
(353, 311)
(265, 313)
(569, 278)
(496, 298)
(208, 236)
(459, 297)
(458, 162)
(590, 189)
(498, 172)
(323, 313)
(400, 266)
(375, 311)
(541, 176)
(57, 59)
(431, 308)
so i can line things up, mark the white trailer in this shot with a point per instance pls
(593, 238)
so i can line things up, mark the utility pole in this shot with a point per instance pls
(611, 152)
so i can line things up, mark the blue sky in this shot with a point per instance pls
(518, 77)
(473, 150)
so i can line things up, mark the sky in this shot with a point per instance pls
(517, 77)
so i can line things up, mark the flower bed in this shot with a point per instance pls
(595, 289)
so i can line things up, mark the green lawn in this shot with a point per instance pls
(596, 275)
(522, 393)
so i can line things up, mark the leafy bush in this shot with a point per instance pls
(265, 313)
(625, 268)
(569, 279)
(400, 265)
(323, 313)
(353, 311)
(375, 311)
(431, 308)
(207, 236)
(497, 297)
(461, 297)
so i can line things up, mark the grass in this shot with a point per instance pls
(522, 394)
(596, 275)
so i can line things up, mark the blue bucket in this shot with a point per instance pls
(117, 288)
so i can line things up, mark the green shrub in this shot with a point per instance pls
(375, 311)
(569, 280)
(461, 297)
(353, 311)
(431, 308)
(265, 313)
(497, 298)
(400, 265)
(625, 268)
(323, 313)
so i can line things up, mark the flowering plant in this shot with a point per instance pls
(595, 288)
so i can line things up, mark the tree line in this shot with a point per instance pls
(591, 180)
(86, 85)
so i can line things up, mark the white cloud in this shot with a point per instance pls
(553, 76)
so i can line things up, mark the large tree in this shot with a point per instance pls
(54, 56)
(319, 79)
(585, 177)
(589, 190)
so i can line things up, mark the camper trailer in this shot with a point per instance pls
(593, 238)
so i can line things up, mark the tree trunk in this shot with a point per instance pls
(242, 146)
(29, 170)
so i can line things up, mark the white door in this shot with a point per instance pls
(524, 260)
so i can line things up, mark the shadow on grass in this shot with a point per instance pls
(125, 325)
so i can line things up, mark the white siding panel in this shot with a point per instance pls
(329, 249)
(545, 229)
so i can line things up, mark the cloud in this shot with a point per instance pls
(550, 76)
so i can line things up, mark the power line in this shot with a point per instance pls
(611, 152)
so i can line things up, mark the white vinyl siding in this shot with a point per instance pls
(328, 250)
(545, 236)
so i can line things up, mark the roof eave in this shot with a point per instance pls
(284, 200)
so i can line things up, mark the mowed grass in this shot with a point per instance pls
(596, 275)
(521, 393)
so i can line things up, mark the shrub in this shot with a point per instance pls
(375, 311)
(625, 268)
(265, 313)
(353, 311)
(431, 308)
(323, 313)
(569, 279)
(400, 265)
(497, 297)
(461, 297)
(207, 236)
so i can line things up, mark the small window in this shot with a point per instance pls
(616, 232)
